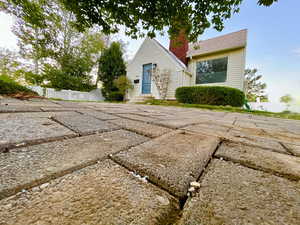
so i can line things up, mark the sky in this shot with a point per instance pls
(273, 43)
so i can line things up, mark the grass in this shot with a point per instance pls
(10, 87)
(285, 115)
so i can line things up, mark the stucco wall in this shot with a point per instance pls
(151, 52)
(235, 68)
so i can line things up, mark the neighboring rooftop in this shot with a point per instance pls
(230, 41)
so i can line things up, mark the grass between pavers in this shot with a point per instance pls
(294, 116)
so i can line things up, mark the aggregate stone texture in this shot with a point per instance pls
(294, 149)
(51, 175)
(18, 108)
(273, 162)
(137, 117)
(18, 132)
(30, 166)
(99, 115)
(233, 194)
(85, 124)
(210, 129)
(171, 161)
(255, 140)
(146, 129)
(98, 195)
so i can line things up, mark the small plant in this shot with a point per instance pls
(123, 84)
(210, 95)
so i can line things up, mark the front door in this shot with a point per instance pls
(146, 81)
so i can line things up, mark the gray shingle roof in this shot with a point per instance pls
(229, 41)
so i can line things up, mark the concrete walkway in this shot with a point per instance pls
(90, 163)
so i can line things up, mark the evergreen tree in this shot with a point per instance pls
(111, 66)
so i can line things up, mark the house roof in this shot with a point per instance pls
(178, 61)
(226, 42)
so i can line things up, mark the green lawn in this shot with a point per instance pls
(295, 116)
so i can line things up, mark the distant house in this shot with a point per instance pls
(157, 72)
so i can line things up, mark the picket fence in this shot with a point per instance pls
(94, 95)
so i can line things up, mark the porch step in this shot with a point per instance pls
(141, 98)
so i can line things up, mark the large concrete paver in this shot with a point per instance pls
(20, 131)
(98, 195)
(294, 149)
(84, 124)
(137, 117)
(146, 129)
(213, 129)
(273, 162)
(99, 115)
(179, 122)
(239, 136)
(18, 108)
(233, 194)
(171, 161)
(33, 165)
(22, 115)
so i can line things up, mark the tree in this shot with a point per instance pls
(253, 87)
(140, 16)
(11, 66)
(60, 54)
(111, 66)
(287, 99)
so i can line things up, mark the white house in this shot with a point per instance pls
(157, 72)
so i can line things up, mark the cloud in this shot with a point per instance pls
(297, 51)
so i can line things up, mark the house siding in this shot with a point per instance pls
(151, 52)
(235, 68)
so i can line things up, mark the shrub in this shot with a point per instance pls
(210, 95)
(9, 86)
(115, 96)
(123, 84)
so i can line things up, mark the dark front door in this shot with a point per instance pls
(146, 81)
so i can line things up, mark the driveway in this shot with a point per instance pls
(101, 163)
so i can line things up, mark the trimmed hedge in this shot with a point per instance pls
(210, 95)
(115, 96)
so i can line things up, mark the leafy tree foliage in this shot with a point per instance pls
(10, 65)
(111, 67)
(61, 55)
(287, 99)
(138, 16)
(253, 86)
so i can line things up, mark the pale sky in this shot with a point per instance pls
(273, 43)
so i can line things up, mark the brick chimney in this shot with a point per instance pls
(179, 46)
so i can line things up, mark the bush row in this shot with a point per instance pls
(210, 95)
(12, 87)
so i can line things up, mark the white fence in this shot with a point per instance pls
(94, 95)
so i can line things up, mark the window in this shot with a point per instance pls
(211, 71)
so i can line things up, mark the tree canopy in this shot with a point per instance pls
(61, 56)
(253, 86)
(142, 17)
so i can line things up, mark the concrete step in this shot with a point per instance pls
(141, 98)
